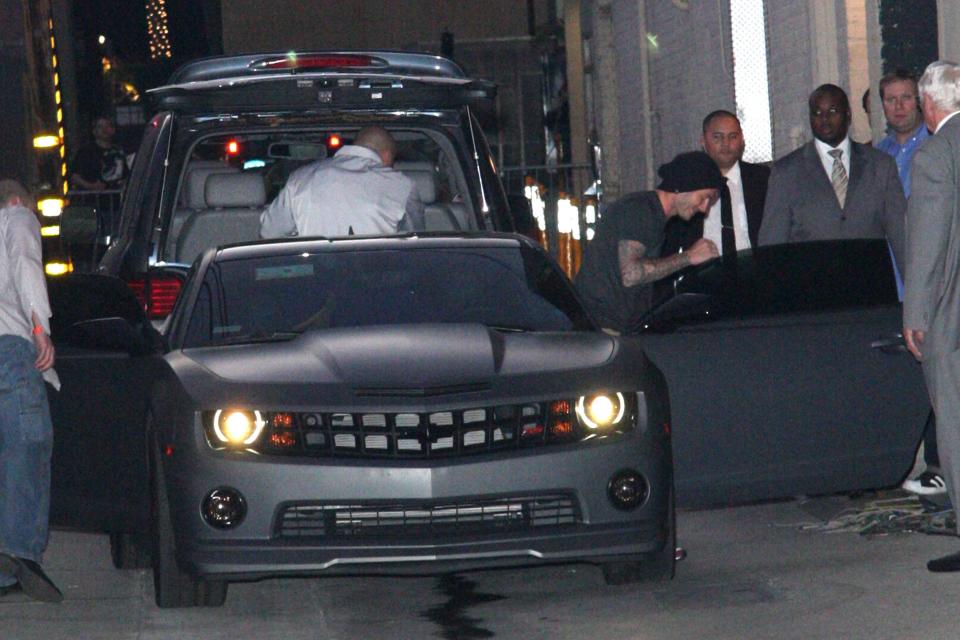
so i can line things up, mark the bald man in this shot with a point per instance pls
(356, 192)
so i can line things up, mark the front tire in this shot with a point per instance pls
(659, 566)
(130, 550)
(173, 588)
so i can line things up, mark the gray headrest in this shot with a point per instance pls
(422, 175)
(197, 173)
(235, 190)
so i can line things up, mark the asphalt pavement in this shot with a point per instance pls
(793, 569)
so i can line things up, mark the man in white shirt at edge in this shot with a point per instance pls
(26, 432)
(356, 192)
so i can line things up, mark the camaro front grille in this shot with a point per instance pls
(435, 434)
(488, 515)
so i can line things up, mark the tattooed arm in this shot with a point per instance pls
(637, 269)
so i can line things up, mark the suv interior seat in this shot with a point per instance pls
(437, 216)
(192, 197)
(235, 201)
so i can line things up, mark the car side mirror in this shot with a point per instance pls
(110, 334)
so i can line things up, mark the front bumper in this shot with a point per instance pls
(255, 548)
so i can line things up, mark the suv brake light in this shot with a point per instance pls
(320, 61)
(156, 293)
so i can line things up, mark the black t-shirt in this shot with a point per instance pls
(93, 163)
(636, 216)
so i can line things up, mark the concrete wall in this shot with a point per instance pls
(691, 72)
(15, 135)
(376, 24)
(492, 40)
(629, 94)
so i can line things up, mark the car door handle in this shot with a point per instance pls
(891, 345)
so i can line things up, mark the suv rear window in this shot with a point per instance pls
(230, 179)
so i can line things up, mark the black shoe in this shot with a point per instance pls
(33, 580)
(946, 564)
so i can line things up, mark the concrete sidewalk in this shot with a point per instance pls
(752, 572)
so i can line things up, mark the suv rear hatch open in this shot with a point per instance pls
(322, 80)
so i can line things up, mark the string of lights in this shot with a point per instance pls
(58, 104)
(158, 29)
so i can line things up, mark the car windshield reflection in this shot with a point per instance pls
(276, 298)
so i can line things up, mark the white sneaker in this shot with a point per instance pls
(927, 483)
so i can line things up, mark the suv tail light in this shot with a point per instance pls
(318, 61)
(157, 293)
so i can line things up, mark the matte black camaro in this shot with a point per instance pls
(406, 404)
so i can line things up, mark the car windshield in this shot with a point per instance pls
(275, 298)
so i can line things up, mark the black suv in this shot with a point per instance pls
(231, 129)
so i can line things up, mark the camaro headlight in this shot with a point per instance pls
(601, 410)
(238, 427)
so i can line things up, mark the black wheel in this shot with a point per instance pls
(659, 566)
(173, 587)
(130, 550)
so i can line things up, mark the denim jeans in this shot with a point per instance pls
(26, 444)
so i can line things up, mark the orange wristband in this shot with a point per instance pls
(37, 330)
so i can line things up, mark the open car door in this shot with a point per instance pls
(107, 355)
(788, 375)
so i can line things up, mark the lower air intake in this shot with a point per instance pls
(420, 519)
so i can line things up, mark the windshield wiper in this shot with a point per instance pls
(508, 328)
(252, 338)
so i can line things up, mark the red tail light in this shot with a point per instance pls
(157, 294)
(322, 61)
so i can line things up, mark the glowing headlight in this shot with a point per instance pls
(601, 410)
(238, 427)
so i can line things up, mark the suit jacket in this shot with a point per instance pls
(802, 206)
(680, 233)
(931, 297)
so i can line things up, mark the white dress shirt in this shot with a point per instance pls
(712, 227)
(826, 159)
(23, 289)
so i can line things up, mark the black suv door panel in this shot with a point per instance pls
(99, 479)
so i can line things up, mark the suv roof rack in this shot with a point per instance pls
(293, 62)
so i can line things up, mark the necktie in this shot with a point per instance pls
(838, 176)
(728, 239)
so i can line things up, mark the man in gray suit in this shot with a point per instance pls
(931, 298)
(832, 187)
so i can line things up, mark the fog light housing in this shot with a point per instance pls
(224, 508)
(627, 489)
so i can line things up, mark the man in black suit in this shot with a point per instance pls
(737, 227)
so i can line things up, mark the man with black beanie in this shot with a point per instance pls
(623, 260)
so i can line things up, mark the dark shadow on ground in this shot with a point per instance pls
(451, 616)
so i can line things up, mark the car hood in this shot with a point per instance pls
(405, 357)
